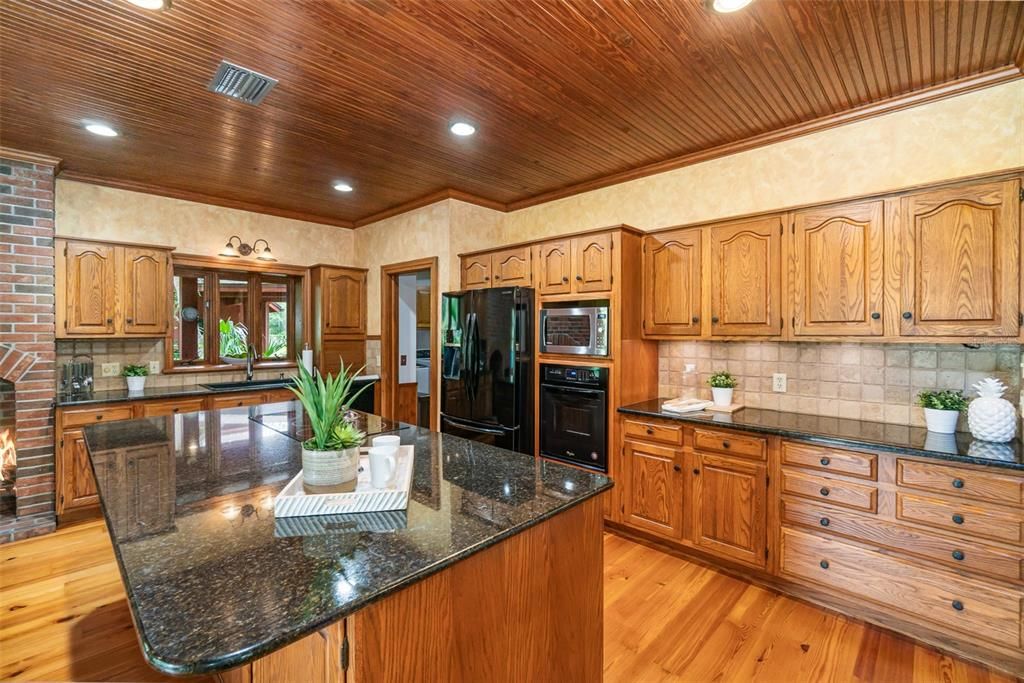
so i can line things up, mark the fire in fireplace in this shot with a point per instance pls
(7, 453)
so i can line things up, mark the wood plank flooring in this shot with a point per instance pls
(64, 618)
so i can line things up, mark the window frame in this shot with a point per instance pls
(254, 274)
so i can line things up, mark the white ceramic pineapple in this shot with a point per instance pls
(991, 417)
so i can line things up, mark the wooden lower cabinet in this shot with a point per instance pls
(730, 506)
(654, 496)
(77, 487)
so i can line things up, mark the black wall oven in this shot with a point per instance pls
(574, 415)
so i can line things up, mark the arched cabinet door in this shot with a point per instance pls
(672, 284)
(344, 301)
(146, 291)
(592, 263)
(512, 267)
(961, 261)
(476, 271)
(553, 272)
(746, 278)
(90, 291)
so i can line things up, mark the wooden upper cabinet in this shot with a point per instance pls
(837, 270)
(654, 495)
(730, 509)
(512, 267)
(344, 301)
(592, 263)
(476, 271)
(553, 271)
(961, 261)
(672, 283)
(90, 293)
(746, 278)
(147, 298)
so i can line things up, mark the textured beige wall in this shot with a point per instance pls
(84, 210)
(974, 133)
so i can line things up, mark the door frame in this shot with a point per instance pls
(389, 334)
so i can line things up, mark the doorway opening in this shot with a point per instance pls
(408, 335)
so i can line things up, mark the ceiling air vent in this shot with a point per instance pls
(241, 83)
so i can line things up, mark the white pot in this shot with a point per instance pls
(941, 421)
(136, 384)
(329, 468)
(721, 396)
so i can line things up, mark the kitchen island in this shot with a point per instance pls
(493, 573)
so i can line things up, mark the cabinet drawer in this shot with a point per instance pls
(862, 465)
(80, 418)
(278, 396)
(835, 492)
(729, 443)
(969, 519)
(958, 481)
(652, 431)
(956, 553)
(171, 407)
(235, 401)
(944, 601)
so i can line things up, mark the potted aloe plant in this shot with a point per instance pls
(722, 383)
(330, 458)
(942, 409)
(135, 375)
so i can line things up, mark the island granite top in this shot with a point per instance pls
(834, 431)
(214, 580)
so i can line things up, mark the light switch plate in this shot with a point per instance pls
(154, 367)
(110, 369)
(779, 382)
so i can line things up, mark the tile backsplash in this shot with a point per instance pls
(861, 381)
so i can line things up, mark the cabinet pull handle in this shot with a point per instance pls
(824, 521)
(714, 318)
(677, 468)
(876, 315)
(99, 417)
(823, 564)
(958, 519)
(128, 320)
(565, 278)
(579, 278)
(958, 606)
(958, 483)
(958, 555)
(695, 319)
(907, 315)
(824, 462)
(110, 320)
(497, 277)
(696, 470)
(487, 277)
(824, 491)
(725, 444)
(650, 431)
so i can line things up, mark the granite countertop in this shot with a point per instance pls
(124, 396)
(878, 436)
(214, 580)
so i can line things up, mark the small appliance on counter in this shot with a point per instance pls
(574, 327)
(76, 377)
(574, 415)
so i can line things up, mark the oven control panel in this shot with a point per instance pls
(574, 374)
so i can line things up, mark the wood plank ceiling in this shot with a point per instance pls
(567, 94)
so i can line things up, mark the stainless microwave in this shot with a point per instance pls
(579, 328)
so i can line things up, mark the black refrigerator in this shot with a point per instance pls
(487, 366)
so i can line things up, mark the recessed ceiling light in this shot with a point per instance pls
(461, 128)
(726, 6)
(342, 186)
(152, 4)
(101, 129)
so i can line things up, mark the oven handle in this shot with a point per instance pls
(471, 428)
(570, 390)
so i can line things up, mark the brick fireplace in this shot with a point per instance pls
(27, 347)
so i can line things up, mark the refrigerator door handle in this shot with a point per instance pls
(471, 428)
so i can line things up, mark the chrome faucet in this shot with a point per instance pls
(250, 361)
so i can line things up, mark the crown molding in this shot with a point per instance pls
(30, 157)
(427, 200)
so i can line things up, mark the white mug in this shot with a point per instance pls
(387, 441)
(382, 465)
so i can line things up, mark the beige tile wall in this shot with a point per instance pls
(862, 381)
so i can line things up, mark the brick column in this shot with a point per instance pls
(27, 329)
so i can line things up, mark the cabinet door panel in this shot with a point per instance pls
(592, 261)
(553, 274)
(961, 250)
(731, 508)
(151, 490)
(146, 297)
(77, 485)
(476, 271)
(746, 278)
(344, 301)
(672, 291)
(512, 267)
(654, 495)
(91, 288)
(837, 270)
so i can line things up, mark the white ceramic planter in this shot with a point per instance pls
(941, 421)
(721, 396)
(136, 384)
(329, 468)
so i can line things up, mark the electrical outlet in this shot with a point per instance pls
(779, 382)
(110, 369)
(154, 367)
(690, 367)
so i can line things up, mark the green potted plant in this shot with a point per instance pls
(722, 383)
(942, 409)
(330, 457)
(135, 375)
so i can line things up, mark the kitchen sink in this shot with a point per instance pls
(254, 384)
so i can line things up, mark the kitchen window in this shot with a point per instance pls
(217, 314)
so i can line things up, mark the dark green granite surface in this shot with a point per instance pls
(214, 580)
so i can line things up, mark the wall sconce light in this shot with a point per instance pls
(245, 249)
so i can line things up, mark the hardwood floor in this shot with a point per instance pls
(65, 619)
